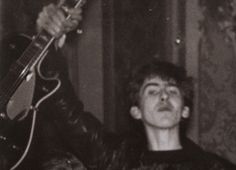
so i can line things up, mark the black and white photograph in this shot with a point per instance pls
(118, 85)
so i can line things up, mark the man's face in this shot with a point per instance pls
(160, 104)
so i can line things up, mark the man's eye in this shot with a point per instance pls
(173, 90)
(153, 92)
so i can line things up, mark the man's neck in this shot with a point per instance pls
(163, 139)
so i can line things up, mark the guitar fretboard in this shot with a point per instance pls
(35, 49)
(21, 67)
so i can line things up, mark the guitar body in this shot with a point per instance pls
(16, 116)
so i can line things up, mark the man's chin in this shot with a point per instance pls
(167, 123)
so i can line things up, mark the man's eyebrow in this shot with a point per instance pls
(172, 84)
(150, 84)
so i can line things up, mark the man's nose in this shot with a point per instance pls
(164, 95)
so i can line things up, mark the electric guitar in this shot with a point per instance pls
(19, 101)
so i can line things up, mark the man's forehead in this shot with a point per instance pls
(157, 80)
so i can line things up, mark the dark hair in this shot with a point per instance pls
(62, 160)
(166, 71)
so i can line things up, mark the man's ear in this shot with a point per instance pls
(135, 112)
(185, 112)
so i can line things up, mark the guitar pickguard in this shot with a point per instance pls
(19, 105)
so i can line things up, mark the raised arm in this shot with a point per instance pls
(64, 105)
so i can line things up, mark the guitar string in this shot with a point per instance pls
(8, 92)
(19, 80)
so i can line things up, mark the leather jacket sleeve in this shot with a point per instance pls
(78, 128)
(64, 105)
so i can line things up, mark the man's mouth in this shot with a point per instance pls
(164, 109)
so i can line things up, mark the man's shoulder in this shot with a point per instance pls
(217, 162)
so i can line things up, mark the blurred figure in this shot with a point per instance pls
(61, 160)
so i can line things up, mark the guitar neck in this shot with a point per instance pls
(20, 69)
(35, 50)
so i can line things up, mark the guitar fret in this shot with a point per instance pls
(44, 38)
(38, 45)
(35, 48)
(27, 57)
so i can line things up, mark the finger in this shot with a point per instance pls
(46, 23)
(60, 3)
(42, 20)
(75, 14)
(56, 16)
(52, 29)
(70, 25)
(82, 2)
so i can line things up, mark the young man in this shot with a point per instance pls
(161, 97)
(160, 104)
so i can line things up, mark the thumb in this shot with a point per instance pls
(60, 3)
